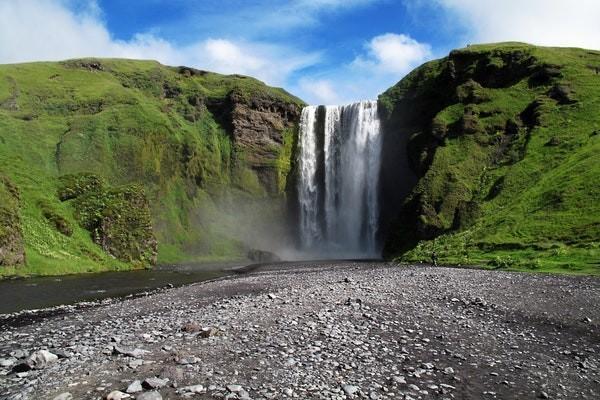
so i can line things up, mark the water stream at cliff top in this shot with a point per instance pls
(339, 165)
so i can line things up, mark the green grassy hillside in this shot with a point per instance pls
(505, 142)
(158, 137)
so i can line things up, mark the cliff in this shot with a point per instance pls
(501, 145)
(113, 164)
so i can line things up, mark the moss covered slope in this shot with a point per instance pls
(182, 142)
(505, 142)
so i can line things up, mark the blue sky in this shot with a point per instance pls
(324, 51)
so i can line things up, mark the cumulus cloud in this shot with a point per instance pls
(384, 61)
(33, 30)
(393, 53)
(543, 22)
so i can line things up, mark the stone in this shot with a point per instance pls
(134, 387)
(350, 389)
(41, 359)
(543, 395)
(7, 362)
(62, 354)
(234, 388)
(208, 332)
(63, 396)
(149, 396)
(117, 395)
(18, 353)
(136, 353)
(154, 383)
(193, 389)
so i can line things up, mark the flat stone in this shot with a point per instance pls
(234, 388)
(134, 387)
(149, 396)
(136, 353)
(154, 383)
(193, 389)
(64, 396)
(117, 395)
(7, 362)
(350, 389)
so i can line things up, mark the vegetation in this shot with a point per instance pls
(100, 136)
(505, 140)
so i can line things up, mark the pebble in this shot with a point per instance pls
(386, 333)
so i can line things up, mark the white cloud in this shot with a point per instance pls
(33, 30)
(320, 91)
(385, 60)
(544, 22)
(393, 53)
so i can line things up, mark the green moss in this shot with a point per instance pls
(507, 162)
(11, 235)
(131, 123)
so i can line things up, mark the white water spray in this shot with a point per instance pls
(340, 152)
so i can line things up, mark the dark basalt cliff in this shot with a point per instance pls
(497, 143)
(261, 126)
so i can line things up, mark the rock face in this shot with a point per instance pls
(263, 129)
(484, 141)
(12, 250)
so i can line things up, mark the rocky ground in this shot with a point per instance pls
(322, 331)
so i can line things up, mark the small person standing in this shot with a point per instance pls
(434, 258)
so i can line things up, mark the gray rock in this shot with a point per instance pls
(7, 362)
(41, 359)
(234, 388)
(117, 395)
(18, 353)
(64, 396)
(350, 389)
(154, 383)
(193, 389)
(136, 353)
(135, 387)
(149, 396)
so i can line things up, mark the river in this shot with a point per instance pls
(49, 291)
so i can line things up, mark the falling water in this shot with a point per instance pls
(340, 150)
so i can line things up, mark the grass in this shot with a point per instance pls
(129, 122)
(527, 168)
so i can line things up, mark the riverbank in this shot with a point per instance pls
(43, 292)
(325, 331)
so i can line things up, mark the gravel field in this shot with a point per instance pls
(336, 330)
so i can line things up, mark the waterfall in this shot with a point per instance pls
(339, 163)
